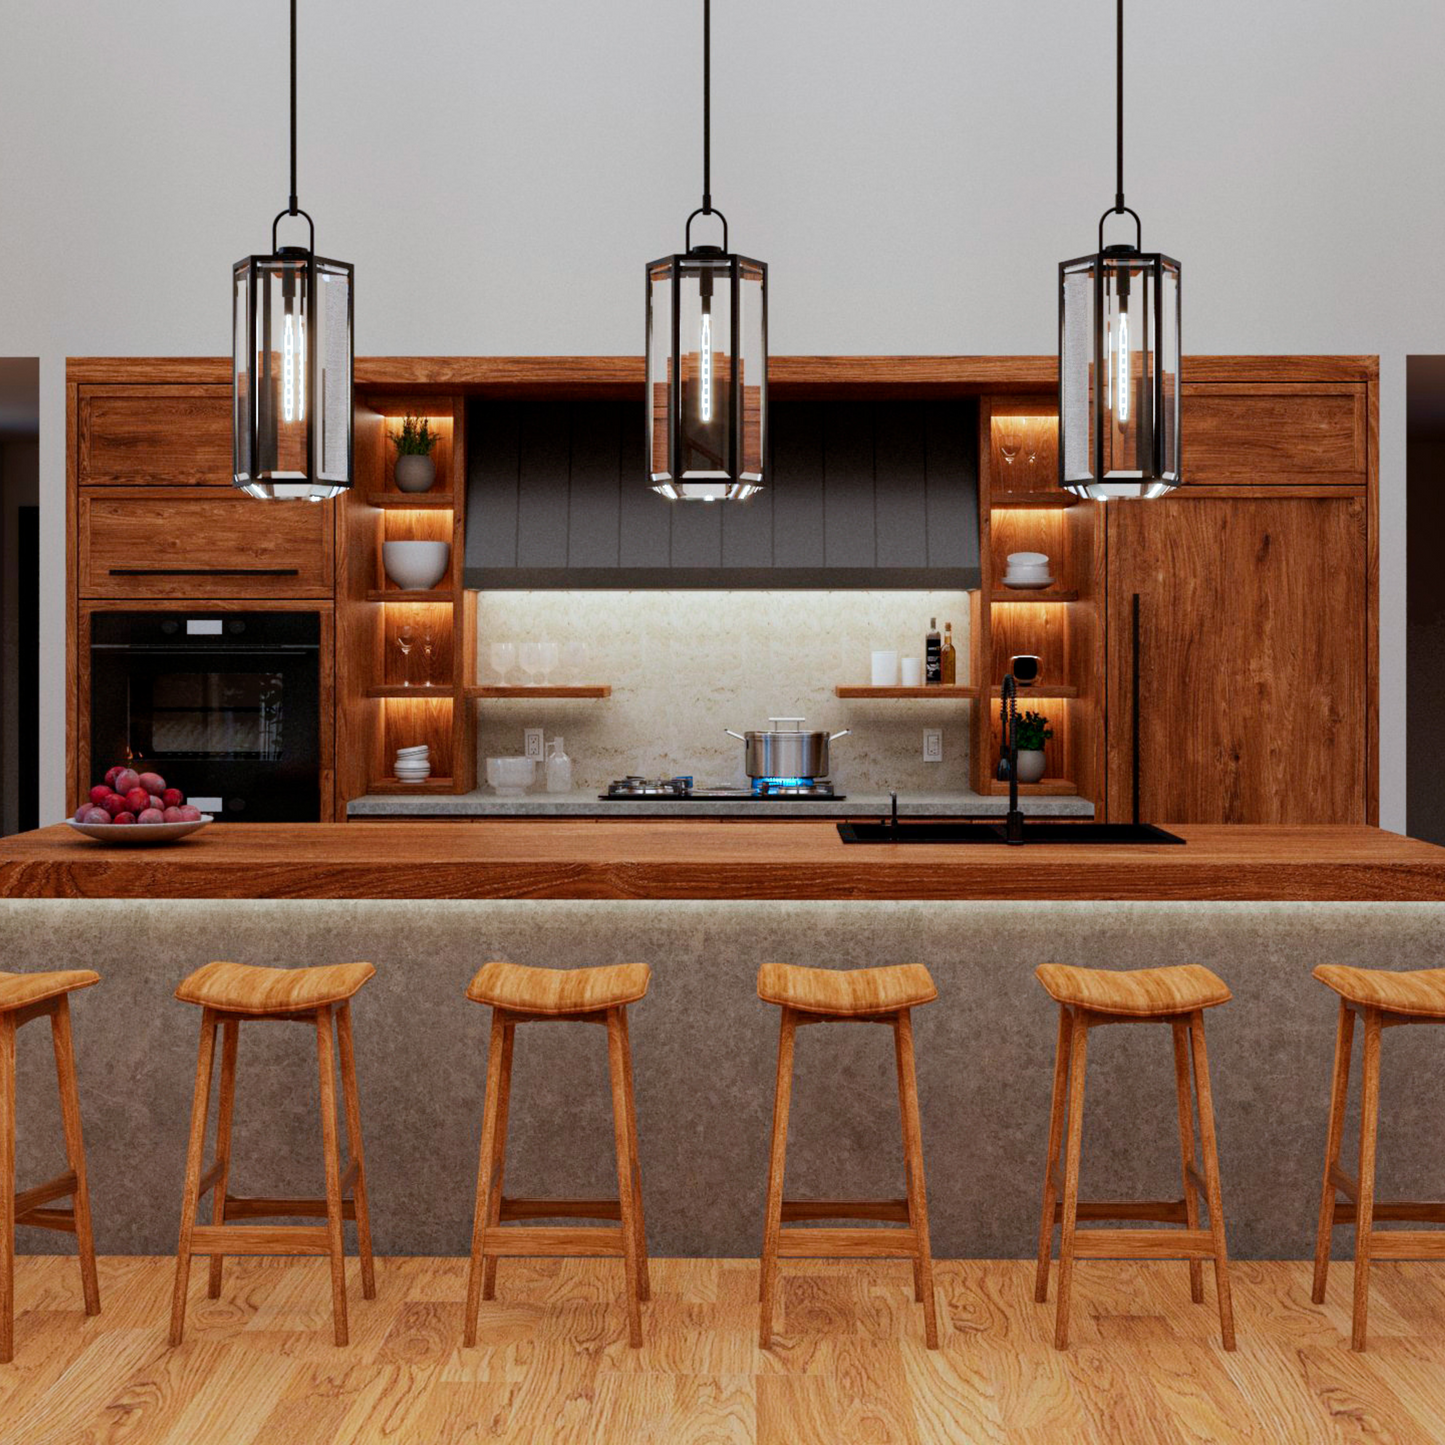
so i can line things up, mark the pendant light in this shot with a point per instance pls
(292, 356)
(707, 354)
(1119, 358)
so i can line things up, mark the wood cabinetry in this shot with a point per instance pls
(161, 436)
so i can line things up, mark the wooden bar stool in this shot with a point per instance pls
(229, 994)
(26, 996)
(861, 995)
(520, 995)
(1382, 999)
(1087, 998)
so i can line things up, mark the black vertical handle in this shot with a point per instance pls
(1134, 682)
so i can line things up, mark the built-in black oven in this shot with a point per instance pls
(224, 705)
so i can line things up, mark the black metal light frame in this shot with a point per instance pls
(250, 414)
(727, 268)
(1158, 477)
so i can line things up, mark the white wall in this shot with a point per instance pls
(912, 171)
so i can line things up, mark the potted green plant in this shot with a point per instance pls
(415, 469)
(1032, 731)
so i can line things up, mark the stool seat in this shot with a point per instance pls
(519, 988)
(849, 992)
(19, 990)
(1420, 991)
(1143, 993)
(244, 988)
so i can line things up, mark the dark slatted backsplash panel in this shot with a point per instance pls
(859, 494)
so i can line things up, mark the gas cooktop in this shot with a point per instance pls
(683, 789)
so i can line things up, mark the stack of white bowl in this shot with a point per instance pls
(1027, 569)
(413, 765)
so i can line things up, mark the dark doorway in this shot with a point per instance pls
(19, 593)
(1425, 599)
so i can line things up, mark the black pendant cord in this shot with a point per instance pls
(1119, 118)
(707, 208)
(292, 206)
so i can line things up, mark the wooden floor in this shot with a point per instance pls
(848, 1363)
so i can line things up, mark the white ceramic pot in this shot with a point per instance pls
(416, 566)
(415, 473)
(1031, 764)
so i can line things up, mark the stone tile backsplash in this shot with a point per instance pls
(685, 665)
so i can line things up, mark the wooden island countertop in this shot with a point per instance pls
(714, 859)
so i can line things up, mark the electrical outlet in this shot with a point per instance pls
(932, 745)
(534, 746)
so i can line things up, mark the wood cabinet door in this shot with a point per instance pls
(134, 436)
(1253, 627)
(1275, 434)
(138, 543)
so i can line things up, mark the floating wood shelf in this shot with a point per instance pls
(410, 501)
(1050, 499)
(936, 689)
(1026, 594)
(1044, 788)
(395, 594)
(1039, 689)
(397, 785)
(484, 690)
(425, 693)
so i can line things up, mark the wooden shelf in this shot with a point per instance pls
(396, 785)
(426, 693)
(410, 501)
(1044, 690)
(936, 689)
(443, 596)
(484, 690)
(1053, 500)
(1026, 594)
(1044, 788)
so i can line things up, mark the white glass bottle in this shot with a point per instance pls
(559, 768)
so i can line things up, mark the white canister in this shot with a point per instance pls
(885, 667)
(911, 669)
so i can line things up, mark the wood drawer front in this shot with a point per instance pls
(1283, 434)
(192, 545)
(155, 436)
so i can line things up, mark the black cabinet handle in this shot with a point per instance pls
(205, 571)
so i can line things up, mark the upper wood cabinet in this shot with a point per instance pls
(185, 543)
(1276, 434)
(166, 436)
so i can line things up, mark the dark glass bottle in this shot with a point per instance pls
(933, 654)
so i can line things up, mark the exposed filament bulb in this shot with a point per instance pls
(1122, 410)
(704, 362)
(293, 368)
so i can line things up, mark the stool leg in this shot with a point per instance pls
(225, 1108)
(486, 1169)
(1078, 1058)
(64, 1045)
(499, 1158)
(331, 1155)
(1339, 1092)
(1365, 1206)
(7, 1188)
(1056, 1138)
(195, 1158)
(773, 1220)
(1180, 1030)
(1213, 1197)
(913, 1162)
(644, 1282)
(351, 1100)
(616, 1049)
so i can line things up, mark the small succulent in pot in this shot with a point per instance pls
(415, 469)
(1032, 731)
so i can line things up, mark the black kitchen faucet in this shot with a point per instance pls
(1013, 823)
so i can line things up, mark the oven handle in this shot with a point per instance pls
(205, 571)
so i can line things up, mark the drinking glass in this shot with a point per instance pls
(405, 639)
(1010, 431)
(428, 647)
(548, 655)
(529, 656)
(574, 660)
(504, 659)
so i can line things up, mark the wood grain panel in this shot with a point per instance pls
(1243, 434)
(178, 543)
(1253, 658)
(155, 436)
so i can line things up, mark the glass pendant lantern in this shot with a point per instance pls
(1119, 315)
(292, 362)
(707, 356)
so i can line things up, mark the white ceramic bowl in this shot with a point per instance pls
(132, 835)
(1028, 559)
(511, 777)
(421, 750)
(1027, 583)
(416, 566)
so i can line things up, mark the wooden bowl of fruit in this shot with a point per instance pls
(134, 809)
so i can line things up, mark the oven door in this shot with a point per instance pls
(225, 707)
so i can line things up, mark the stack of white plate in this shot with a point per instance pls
(1027, 569)
(413, 764)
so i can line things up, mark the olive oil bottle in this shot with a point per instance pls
(947, 657)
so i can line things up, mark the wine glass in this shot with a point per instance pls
(504, 659)
(548, 655)
(405, 640)
(1010, 433)
(574, 660)
(428, 647)
(529, 656)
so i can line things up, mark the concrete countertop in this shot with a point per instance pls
(483, 802)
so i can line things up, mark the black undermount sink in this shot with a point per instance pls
(913, 830)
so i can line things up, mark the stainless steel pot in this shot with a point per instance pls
(786, 751)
